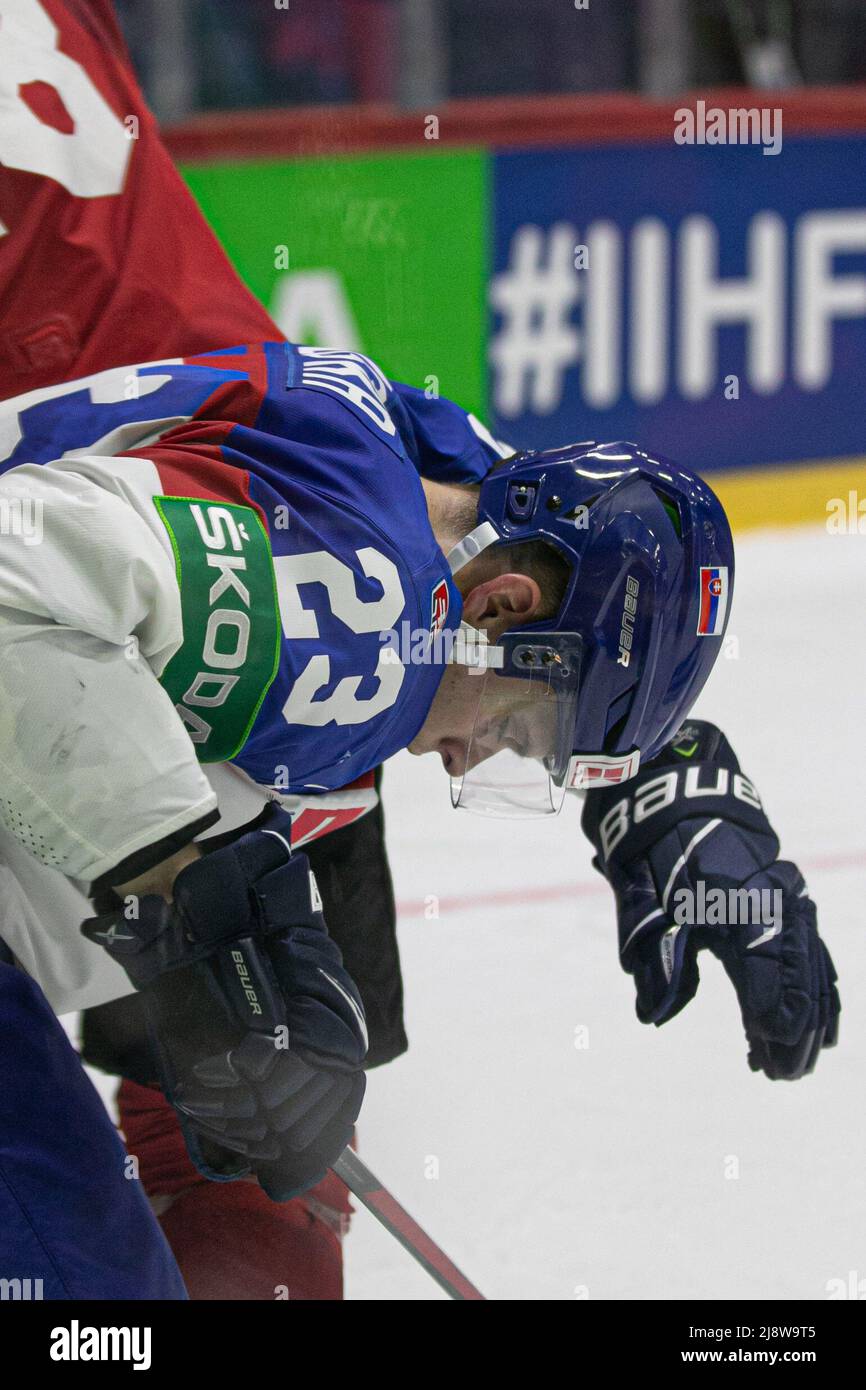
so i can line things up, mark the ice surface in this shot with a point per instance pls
(604, 1169)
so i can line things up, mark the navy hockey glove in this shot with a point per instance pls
(692, 860)
(258, 1029)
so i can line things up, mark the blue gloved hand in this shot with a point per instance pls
(692, 860)
(258, 1029)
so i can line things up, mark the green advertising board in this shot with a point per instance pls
(365, 251)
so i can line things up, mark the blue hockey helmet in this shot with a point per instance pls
(640, 625)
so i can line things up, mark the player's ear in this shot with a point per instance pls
(508, 600)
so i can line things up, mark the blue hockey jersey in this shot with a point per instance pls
(284, 482)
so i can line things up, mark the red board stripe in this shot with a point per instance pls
(501, 123)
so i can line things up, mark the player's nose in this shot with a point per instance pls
(453, 752)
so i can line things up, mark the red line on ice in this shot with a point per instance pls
(556, 892)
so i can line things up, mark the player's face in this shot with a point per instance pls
(505, 741)
(466, 730)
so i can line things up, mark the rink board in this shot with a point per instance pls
(567, 270)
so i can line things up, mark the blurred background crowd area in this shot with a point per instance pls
(199, 55)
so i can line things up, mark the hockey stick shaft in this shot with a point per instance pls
(368, 1190)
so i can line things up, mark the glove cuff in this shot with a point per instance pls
(695, 776)
(218, 899)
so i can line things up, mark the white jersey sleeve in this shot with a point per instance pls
(97, 768)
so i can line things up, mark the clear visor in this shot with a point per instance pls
(517, 759)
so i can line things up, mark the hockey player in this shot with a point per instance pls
(274, 560)
(103, 254)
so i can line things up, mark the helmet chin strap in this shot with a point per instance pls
(471, 646)
(484, 535)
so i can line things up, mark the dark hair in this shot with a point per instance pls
(540, 560)
(543, 563)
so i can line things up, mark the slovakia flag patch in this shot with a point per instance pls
(713, 600)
